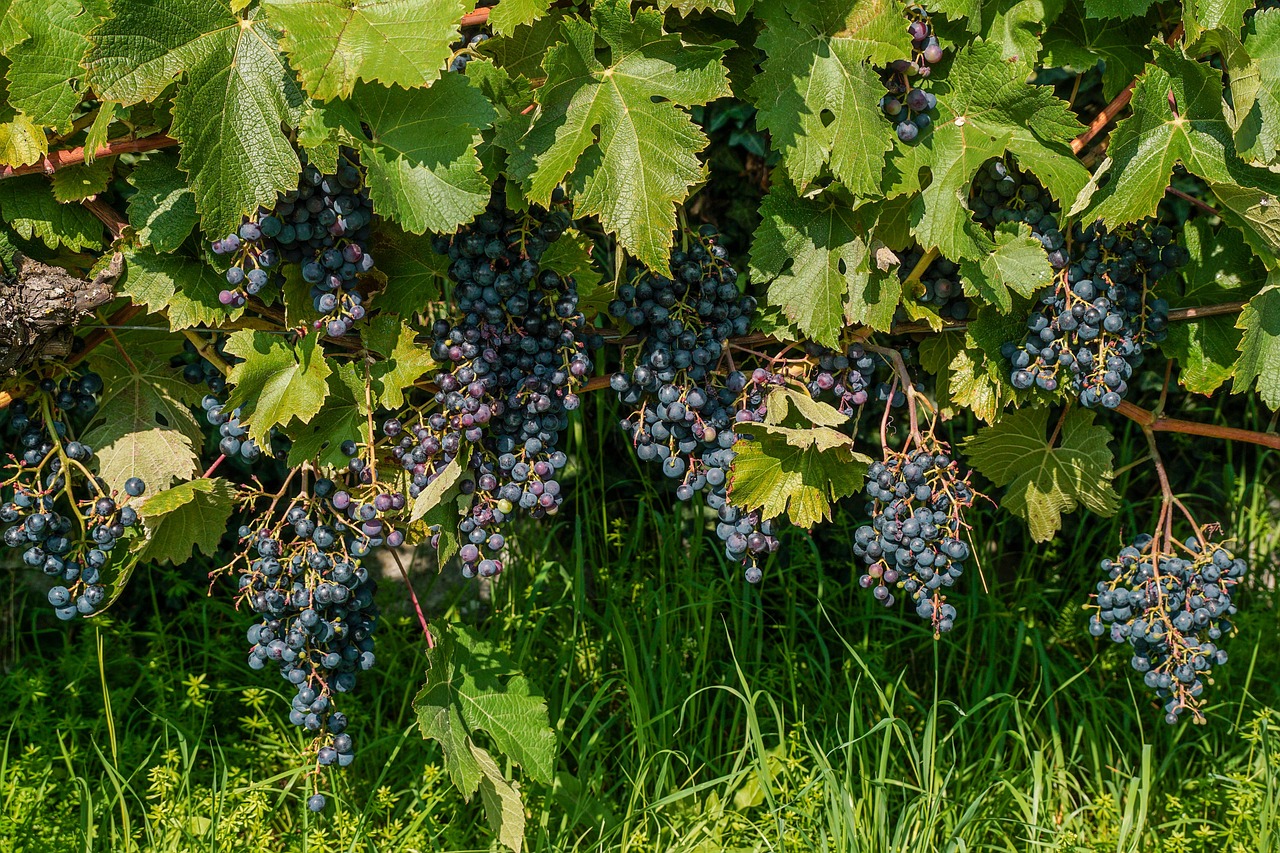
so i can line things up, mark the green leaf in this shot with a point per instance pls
(571, 256)
(502, 805)
(1260, 346)
(82, 180)
(437, 490)
(1043, 481)
(1258, 127)
(619, 131)
(795, 462)
(186, 291)
(45, 77)
(415, 274)
(276, 383)
(403, 360)
(231, 115)
(510, 14)
(519, 51)
(21, 141)
(334, 43)
(812, 252)
(163, 210)
(1117, 8)
(818, 98)
(144, 426)
(472, 686)
(1018, 263)
(191, 515)
(27, 205)
(1145, 147)
(1081, 43)
(134, 59)
(343, 417)
(422, 169)
(1221, 270)
(988, 109)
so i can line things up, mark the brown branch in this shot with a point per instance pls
(1149, 420)
(1118, 103)
(107, 215)
(1207, 208)
(476, 18)
(55, 160)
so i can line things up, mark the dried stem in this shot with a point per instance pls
(1149, 420)
(107, 215)
(1118, 103)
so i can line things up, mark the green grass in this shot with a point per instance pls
(694, 712)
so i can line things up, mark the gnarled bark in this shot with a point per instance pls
(40, 306)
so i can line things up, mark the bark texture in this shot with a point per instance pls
(40, 306)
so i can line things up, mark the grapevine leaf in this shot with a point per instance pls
(1081, 43)
(1255, 211)
(28, 206)
(436, 491)
(1043, 481)
(787, 405)
(571, 256)
(82, 180)
(21, 142)
(416, 274)
(96, 136)
(812, 252)
(343, 417)
(503, 807)
(520, 51)
(403, 361)
(144, 426)
(1177, 118)
(163, 210)
(1018, 262)
(1260, 346)
(184, 289)
(795, 471)
(1117, 8)
(817, 97)
(620, 130)
(230, 115)
(1206, 348)
(276, 383)
(44, 69)
(422, 169)
(1258, 128)
(11, 31)
(472, 686)
(191, 515)
(1202, 16)
(510, 14)
(334, 43)
(988, 109)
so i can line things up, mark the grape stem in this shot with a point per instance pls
(422, 619)
(206, 350)
(904, 379)
(55, 160)
(214, 467)
(1118, 103)
(107, 215)
(1149, 420)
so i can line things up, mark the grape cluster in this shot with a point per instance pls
(60, 515)
(939, 285)
(1172, 610)
(461, 57)
(1093, 323)
(322, 226)
(682, 413)
(302, 575)
(234, 441)
(909, 106)
(1002, 193)
(512, 360)
(913, 542)
(844, 379)
(197, 369)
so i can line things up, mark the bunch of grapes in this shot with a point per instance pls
(1172, 610)
(302, 575)
(939, 285)
(234, 441)
(917, 499)
(682, 413)
(62, 517)
(909, 106)
(1002, 193)
(1093, 323)
(322, 226)
(841, 378)
(512, 362)
(197, 369)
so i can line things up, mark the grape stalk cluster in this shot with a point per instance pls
(681, 413)
(907, 104)
(916, 502)
(1173, 609)
(60, 515)
(323, 227)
